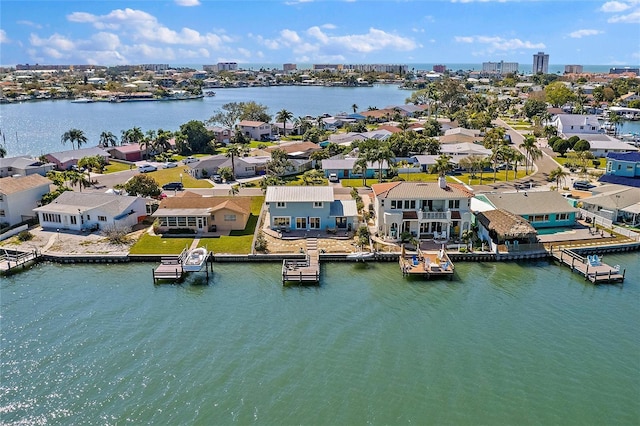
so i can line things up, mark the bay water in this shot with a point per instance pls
(502, 343)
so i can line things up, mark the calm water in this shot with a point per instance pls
(502, 344)
(35, 128)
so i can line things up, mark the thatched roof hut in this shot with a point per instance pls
(505, 226)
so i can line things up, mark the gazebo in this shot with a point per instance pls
(503, 227)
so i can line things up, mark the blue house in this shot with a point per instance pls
(542, 209)
(623, 168)
(309, 208)
(345, 168)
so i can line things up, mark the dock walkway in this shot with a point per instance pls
(171, 267)
(597, 274)
(303, 271)
(12, 259)
(426, 264)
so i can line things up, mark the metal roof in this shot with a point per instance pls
(300, 194)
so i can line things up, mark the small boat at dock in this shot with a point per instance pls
(361, 256)
(82, 101)
(195, 259)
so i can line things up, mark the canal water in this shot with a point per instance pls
(503, 343)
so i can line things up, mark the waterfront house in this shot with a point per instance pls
(222, 135)
(65, 159)
(77, 211)
(19, 196)
(127, 152)
(256, 130)
(618, 203)
(576, 124)
(202, 214)
(425, 210)
(309, 208)
(344, 168)
(543, 209)
(623, 169)
(600, 144)
(23, 166)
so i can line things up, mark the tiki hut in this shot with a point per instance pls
(502, 226)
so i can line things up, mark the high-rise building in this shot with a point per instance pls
(289, 67)
(501, 67)
(440, 68)
(540, 63)
(573, 69)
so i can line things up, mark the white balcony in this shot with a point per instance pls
(426, 216)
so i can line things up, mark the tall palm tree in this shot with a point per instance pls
(75, 136)
(283, 116)
(382, 154)
(161, 143)
(558, 174)
(354, 107)
(494, 140)
(234, 150)
(107, 139)
(442, 166)
(531, 150)
(360, 166)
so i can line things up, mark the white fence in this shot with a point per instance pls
(12, 232)
(608, 223)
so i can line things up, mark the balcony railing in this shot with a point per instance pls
(434, 215)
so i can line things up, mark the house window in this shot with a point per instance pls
(1, 197)
(2, 213)
(163, 221)
(454, 204)
(182, 221)
(282, 222)
(409, 204)
(317, 204)
(393, 204)
(540, 218)
(301, 222)
(229, 217)
(102, 218)
(281, 205)
(314, 223)
(88, 217)
(51, 217)
(74, 220)
(191, 221)
(562, 216)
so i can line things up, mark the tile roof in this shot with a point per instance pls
(299, 194)
(11, 185)
(188, 203)
(420, 191)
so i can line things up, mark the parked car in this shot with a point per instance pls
(169, 165)
(172, 186)
(333, 177)
(582, 185)
(189, 160)
(216, 178)
(145, 168)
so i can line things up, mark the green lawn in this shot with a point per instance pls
(163, 176)
(151, 244)
(116, 166)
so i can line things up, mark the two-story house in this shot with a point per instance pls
(309, 208)
(222, 135)
(426, 210)
(19, 196)
(256, 130)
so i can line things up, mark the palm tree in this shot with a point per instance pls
(360, 166)
(284, 116)
(354, 107)
(531, 150)
(107, 139)
(302, 125)
(233, 191)
(3, 151)
(74, 136)
(442, 166)
(558, 174)
(161, 143)
(234, 150)
(382, 154)
(494, 140)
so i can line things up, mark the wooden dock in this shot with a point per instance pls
(10, 260)
(171, 267)
(303, 271)
(436, 264)
(597, 274)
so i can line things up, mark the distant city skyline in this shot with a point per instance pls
(308, 31)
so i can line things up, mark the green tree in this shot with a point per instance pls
(558, 94)
(494, 140)
(142, 185)
(354, 107)
(582, 145)
(531, 150)
(198, 138)
(226, 173)
(442, 166)
(234, 150)
(3, 151)
(254, 111)
(561, 146)
(279, 163)
(533, 107)
(75, 136)
(228, 116)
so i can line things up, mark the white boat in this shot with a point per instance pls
(195, 259)
(361, 255)
(82, 101)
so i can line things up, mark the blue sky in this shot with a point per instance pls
(319, 31)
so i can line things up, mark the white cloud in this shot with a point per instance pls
(584, 33)
(29, 24)
(188, 3)
(56, 42)
(631, 18)
(3, 37)
(614, 6)
(498, 43)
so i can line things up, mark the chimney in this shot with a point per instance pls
(442, 182)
